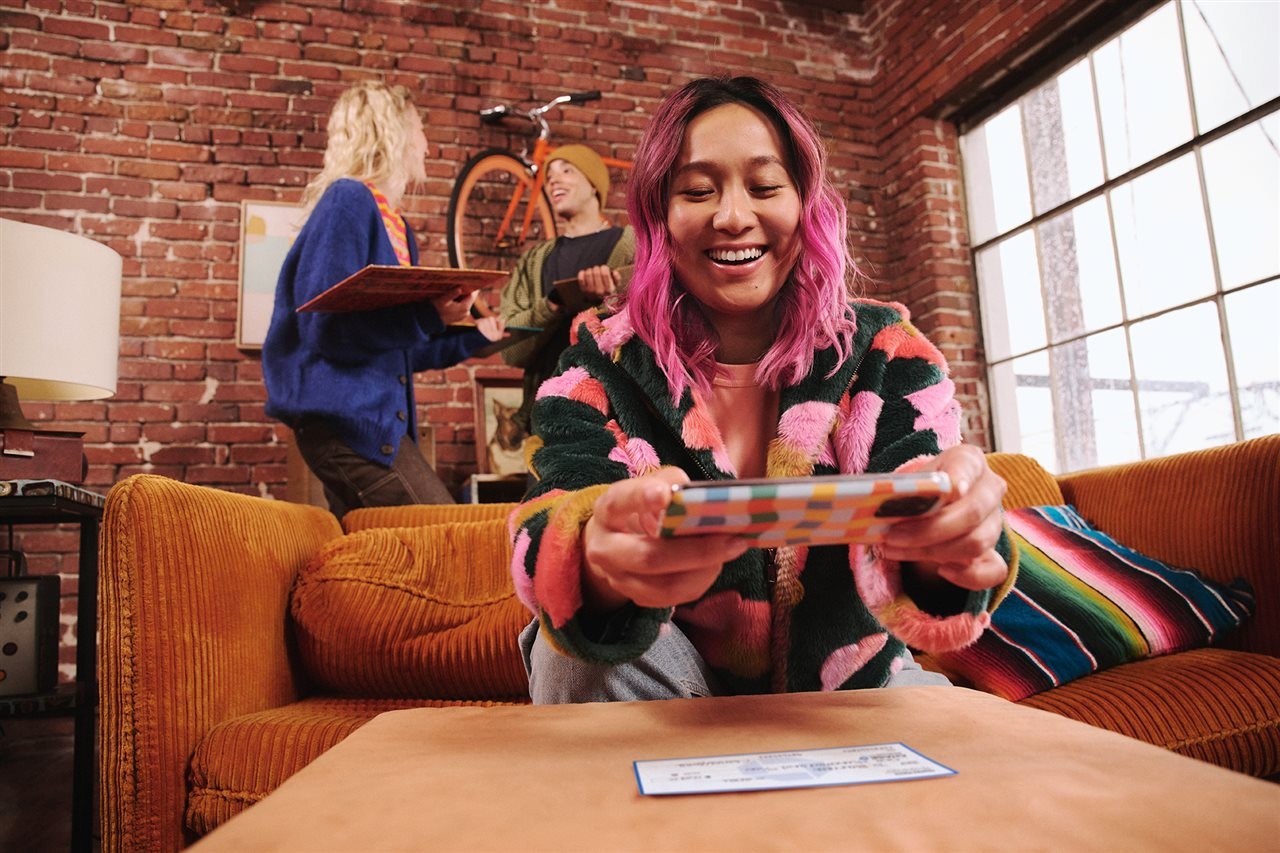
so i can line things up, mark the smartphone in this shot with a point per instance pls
(823, 510)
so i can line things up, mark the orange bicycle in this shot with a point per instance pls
(498, 207)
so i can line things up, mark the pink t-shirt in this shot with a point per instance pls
(746, 414)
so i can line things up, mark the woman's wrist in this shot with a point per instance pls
(930, 591)
(597, 595)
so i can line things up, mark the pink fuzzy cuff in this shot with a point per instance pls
(557, 578)
(880, 585)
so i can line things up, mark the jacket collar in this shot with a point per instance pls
(807, 410)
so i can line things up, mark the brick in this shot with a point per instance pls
(204, 329)
(47, 181)
(192, 457)
(140, 413)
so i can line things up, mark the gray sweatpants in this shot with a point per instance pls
(670, 669)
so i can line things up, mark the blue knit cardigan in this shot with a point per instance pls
(355, 370)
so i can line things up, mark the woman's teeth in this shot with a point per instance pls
(735, 256)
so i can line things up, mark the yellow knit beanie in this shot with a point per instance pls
(588, 163)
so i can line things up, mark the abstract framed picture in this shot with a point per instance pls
(499, 440)
(267, 230)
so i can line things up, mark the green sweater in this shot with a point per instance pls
(523, 304)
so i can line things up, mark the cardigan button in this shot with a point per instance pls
(386, 450)
(400, 416)
(404, 380)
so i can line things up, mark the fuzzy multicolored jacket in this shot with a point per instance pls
(821, 618)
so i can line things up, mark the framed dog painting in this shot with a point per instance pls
(499, 440)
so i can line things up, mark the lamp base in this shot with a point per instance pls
(42, 455)
(10, 409)
(27, 453)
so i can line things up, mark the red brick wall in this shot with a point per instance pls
(143, 124)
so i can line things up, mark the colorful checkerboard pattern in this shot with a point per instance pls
(813, 510)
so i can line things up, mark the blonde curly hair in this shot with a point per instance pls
(368, 134)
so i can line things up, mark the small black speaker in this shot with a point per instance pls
(28, 634)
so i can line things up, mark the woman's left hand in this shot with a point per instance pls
(492, 327)
(956, 543)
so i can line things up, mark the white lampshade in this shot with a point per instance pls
(59, 313)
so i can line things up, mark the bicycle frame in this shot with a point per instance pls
(541, 148)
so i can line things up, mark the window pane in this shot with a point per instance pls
(1162, 239)
(1079, 271)
(1231, 45)
(1182, 381)
(1026, 417)
(995, 168)
(1062, 135)
(1114, 417)
(1071, 386)
(1251, 319)
(1080, 124)
(1142, 92)
(1012, 306)
(1242, 174)
(1092, 395)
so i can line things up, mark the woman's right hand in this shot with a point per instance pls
(453, 306)
(625, 560)
(598, 282)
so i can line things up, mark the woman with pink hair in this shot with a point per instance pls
(736, 351)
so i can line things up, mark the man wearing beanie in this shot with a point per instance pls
(588, 248)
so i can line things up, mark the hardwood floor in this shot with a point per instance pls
(35, 783)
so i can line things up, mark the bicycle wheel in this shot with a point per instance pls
(480, 200)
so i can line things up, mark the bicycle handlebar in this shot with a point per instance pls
(495, 114)
(501, 112)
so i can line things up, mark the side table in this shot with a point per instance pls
(56, 502)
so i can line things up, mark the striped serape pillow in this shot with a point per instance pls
(1082, 602)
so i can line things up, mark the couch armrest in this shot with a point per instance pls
(1216, 511)
(193, 604)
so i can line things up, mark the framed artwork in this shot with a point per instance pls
(499, 440)
(267, 230)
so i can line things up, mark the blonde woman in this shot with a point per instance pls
(344, 381)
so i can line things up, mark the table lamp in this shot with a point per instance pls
(59, 340)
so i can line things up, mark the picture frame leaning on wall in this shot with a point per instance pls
(499, 441)
(267, 230)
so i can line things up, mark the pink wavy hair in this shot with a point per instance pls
(812, 304)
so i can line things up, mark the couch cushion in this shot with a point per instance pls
(242, 760)
(1216, 705)
(413, 612)
(1029, 483)
(1083, 603)
(418, 515)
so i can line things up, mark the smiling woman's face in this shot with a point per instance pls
(733, 214)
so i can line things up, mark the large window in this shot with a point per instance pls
(1125, 219)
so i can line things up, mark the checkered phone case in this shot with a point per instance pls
(804, 510)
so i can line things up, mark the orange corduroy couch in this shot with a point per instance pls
(239, 641)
